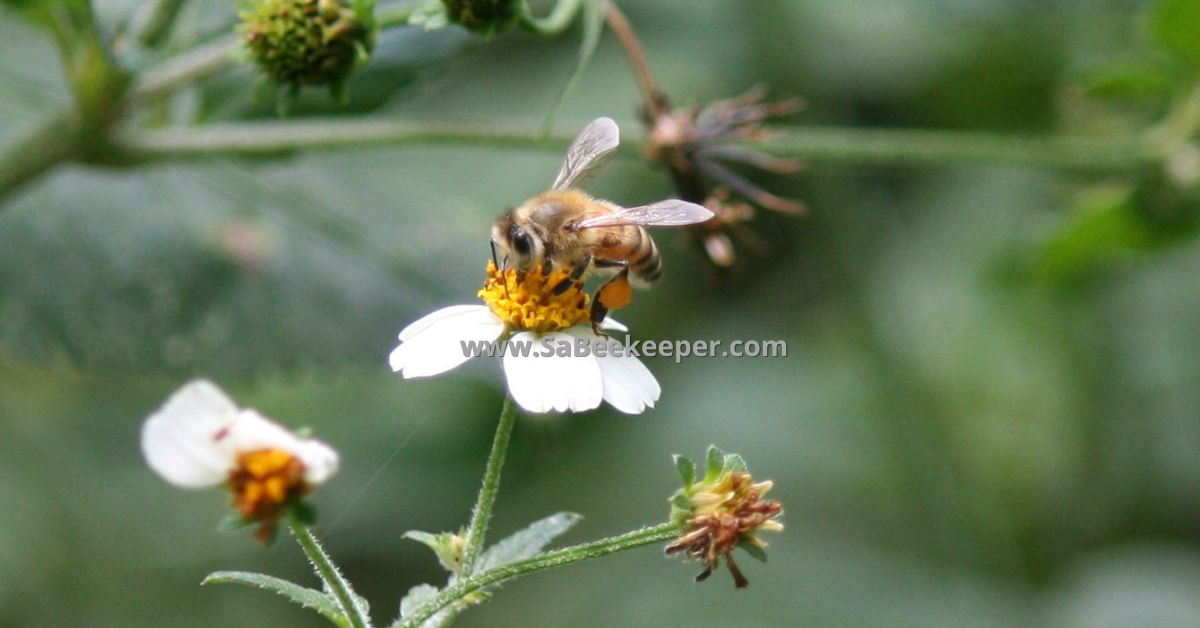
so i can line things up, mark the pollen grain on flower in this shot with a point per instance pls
(527, 301)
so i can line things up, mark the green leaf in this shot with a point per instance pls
(212, 271)
(1173, 26)
(1141, 80)
(417, 597)
(234, 522)
(734, 463)
(447, 546)
(686, 469)
(318, 601)
(715, 463)
(528, 542)
(754, 550)
(1103, 230)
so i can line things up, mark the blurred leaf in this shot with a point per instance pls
(234, 522)
(528, 542)
(754, 550)
(1173, 25)
(323, 603)
(1138, 80)
(417, 597)
(1102, 230)
(172, 272)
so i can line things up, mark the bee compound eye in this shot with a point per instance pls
(522, 244)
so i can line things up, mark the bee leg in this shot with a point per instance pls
(614, 295)
(576, 276)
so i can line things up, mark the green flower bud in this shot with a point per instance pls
(306, 42)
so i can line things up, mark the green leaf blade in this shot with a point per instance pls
(1172, 26)
(528, 542)
(318, 601)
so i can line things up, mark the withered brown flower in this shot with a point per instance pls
(701, 146)
(721, 512)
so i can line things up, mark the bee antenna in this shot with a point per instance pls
(496, 261)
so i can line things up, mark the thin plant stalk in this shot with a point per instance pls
(555, 558)
(329, 573)
(482, 513)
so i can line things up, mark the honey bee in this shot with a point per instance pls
(566, 228)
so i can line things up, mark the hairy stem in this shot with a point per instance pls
(482, 514)
(556, 558)
(329, 574)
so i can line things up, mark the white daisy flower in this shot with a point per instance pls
(201, 439)
(527, 311)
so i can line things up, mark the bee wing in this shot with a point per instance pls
(668, 213)
(594, 142)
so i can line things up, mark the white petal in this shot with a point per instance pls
(183, 443)
(553, 383)
(320, 461)
(432, 345)
(628, 385)
(434, 318)
(252, 431)
(609, 323)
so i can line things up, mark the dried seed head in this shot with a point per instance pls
(722, 511)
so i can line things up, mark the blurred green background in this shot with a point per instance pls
(959, 436)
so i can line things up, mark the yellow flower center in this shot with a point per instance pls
(263, 484)
(526, 301)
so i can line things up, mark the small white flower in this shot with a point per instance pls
(433, 345)
(196, 439)
(200, 439)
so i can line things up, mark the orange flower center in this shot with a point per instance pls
(264, 483)
(527, 301)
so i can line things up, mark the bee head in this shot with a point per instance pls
(520, 244)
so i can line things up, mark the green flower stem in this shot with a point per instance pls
(903, 146)
(831, 144)
(329, 574)
(181, 71)
(35, 152)
(556, 22)
(482, 514)
(556, 558)
(272, 138)
(156, 20)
